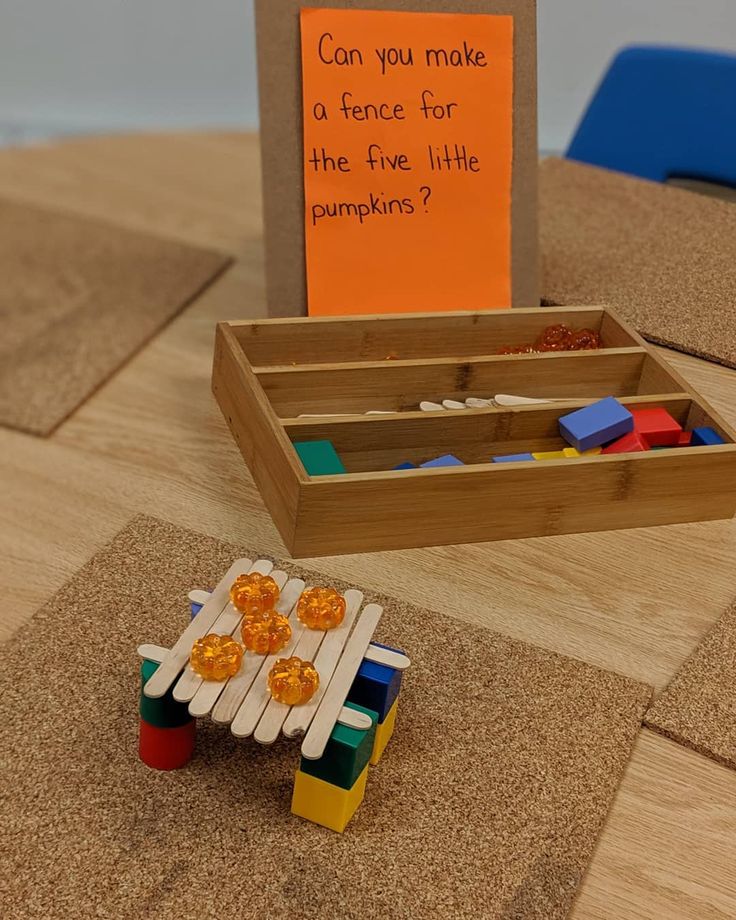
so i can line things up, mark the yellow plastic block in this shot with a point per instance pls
(574, 452)
(550, 455)
(383, 734)
(325, 804)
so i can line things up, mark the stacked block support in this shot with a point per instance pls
(329, 790)
(377, 687)
(166, 730)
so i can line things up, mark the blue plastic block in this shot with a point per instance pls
(446, 460)
(406, 466)
(319, 458)
(513, 458)
(195, 608)
(702, 437)
(376, 686)
(662, 112)
(597, 424)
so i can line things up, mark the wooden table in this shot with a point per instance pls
(152, 440)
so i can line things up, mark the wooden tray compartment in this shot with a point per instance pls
(380, 443)
(267, 373)
(322, 340)
(401, 385)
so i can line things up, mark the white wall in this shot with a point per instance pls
(577, 39)
(95, 65)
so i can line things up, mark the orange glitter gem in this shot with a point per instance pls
(216, 657)
(266, 635)
(254, 594)
(293, 681)
(321, 608)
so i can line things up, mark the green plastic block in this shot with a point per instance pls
(319, 458)
(165, 712)
(346, 755)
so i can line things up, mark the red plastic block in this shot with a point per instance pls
(657, 427)
(166, 748)
(629, 443)
(685, 439)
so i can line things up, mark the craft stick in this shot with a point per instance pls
(427, 406)
(297, 721)
(380, 412)
(233, 694)
(315, 741)
(178, 655)
(504, 400)
(150, 652)
(258, 697)
(396, 660)
(353, 718)
(209, 691)
(473, 403)
(227, 622)
(199, 597)
(453, 404)
(273, 714)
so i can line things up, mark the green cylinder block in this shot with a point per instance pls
(165, 712)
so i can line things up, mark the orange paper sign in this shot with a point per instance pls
(407, 160)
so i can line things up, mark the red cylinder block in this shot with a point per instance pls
(166, 748)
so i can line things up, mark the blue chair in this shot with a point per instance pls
(663, 113)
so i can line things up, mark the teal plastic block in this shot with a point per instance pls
(165, 712)
(319, 458)
(346, 755)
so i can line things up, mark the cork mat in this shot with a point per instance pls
(664, 257)
(487, 802)
(698, 708)
(77, 299)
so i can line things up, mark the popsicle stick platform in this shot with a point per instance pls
(350, 717)
(244, 701)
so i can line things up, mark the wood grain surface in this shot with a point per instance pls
(153, 440)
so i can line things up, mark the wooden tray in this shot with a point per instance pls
(267, 373)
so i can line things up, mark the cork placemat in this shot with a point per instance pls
(487, 803)
(77, 299)
(698, 708)
(664, 257)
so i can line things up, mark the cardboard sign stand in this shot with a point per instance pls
(282, 132)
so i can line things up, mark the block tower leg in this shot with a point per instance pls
(166, 730)
(377, 687)
(329, 790)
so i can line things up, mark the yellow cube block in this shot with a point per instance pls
(549, 455)
(574, 452)
(383, 733)
(325, 804)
